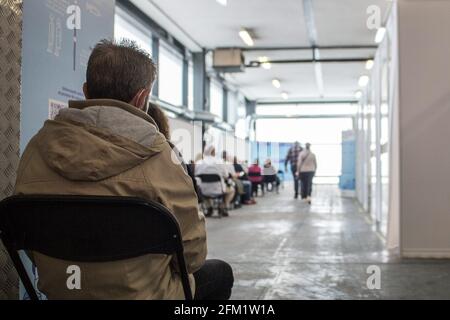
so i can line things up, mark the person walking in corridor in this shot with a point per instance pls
(306, 170)
(292, 158)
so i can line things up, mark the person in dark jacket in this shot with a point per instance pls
(292, 158)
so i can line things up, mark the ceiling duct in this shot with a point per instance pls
(228, 60)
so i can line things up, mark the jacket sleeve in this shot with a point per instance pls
(173, 188)
(288, 158)
(299, 162)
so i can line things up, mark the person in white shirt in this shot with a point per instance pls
(212, 165)
(270, 174)
(306, 170)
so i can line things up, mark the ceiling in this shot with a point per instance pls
(283, 23)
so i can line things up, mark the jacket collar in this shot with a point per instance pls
(83, 104)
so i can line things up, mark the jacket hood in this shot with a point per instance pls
(94, 140)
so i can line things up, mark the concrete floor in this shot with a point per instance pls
(283, 249)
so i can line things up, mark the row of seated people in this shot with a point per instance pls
(223, 184)
(267, 177)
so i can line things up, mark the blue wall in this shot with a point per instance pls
(275, 151)
(54, 60)
(53, 64)
(348, 178)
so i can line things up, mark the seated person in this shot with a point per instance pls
(236, 183)
(160, 118)
(211, 165)
(270, 175)
(162, 122)
(108, 145)
(255, 177)
(241, 173)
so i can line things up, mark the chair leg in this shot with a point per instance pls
(23, 275)
(184, 275)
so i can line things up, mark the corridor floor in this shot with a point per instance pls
(284, 249)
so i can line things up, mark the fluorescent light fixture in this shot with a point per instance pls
(276, 83)
(369, 64)
(265, 63)
(363, 81)
(223, 2)
(285, 95)
(358, 94)
(380, 35)
(246, 37)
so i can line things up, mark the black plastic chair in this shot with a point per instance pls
(89, 229)
(273, 181)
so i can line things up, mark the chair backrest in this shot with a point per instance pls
(89, 229)
(270, 178)
(255, 176)
(210, 178)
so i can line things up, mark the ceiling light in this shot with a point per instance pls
(222, 2)
(264, 62)
(380, 35)
(369, 64)
(358, 94)
(246, 37)
(363, 81)
(276, 83)
(285, 96)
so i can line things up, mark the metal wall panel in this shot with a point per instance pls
(10, 71)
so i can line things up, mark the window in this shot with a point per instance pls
(233, 105)
(315, 130)
(126, 27)
(170, 75)
(216, 99)
(307, 109)
(325, 135)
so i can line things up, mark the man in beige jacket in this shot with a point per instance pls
(108, 145)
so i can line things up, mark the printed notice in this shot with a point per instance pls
(54, 107)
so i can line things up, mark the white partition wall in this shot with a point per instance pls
(242, 149)
(187, 137)
(376, 124)
(403, 169)
(216, 138)
(230, 144)
(424, 114)
(227, 141)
